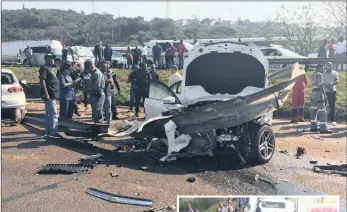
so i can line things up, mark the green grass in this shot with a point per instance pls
(285, 111)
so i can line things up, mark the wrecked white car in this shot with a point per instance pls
(223, 103)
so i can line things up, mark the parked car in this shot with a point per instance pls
(276, 205)
(118, 59)
(13, 51)
(278, 52)
(83, 53)
(222, 104)
(13, 99)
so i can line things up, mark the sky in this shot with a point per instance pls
(226, 10)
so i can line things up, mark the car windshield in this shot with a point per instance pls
(7, 79)
(85, 52)
(116, 54)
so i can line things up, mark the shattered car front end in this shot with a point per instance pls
(224, 104)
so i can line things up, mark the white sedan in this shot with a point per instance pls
(13, 100)
(278, 53)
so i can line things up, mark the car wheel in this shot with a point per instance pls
(262, 144)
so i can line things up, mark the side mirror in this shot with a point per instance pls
(170, 100)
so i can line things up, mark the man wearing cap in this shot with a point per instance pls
(317, 102)
(96, 88)
(67, 91)
(109, 91)
(141, 79)
(50, 92)
(331, 79)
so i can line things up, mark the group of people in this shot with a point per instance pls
(324, 81)
(97, 84)
(333, 49)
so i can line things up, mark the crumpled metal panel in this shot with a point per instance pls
(65, 168)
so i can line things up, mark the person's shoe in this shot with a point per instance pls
(326, 132)
(57, 136)
(314, 130)
(333, 123)
(44, 136)
(137, 115)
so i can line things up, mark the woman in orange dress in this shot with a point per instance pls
(298, 99)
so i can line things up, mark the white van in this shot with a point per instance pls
(11, 51)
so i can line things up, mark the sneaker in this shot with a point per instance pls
(57, 136)
(44, 136)
(333, 123)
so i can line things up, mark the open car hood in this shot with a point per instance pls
(222, 114)
(222, 71)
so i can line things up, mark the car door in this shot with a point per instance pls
(161, 99)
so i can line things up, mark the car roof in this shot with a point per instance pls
(6, 71)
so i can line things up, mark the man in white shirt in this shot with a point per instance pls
(175, 76)
(144, 53)
(330, 79)
(340, 50)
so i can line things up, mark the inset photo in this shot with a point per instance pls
(258, 204)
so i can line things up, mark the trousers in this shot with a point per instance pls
(317, 107)
(107, 108)
(113, 104)
(181, 61)
(66, 108)
(97, 103)
(132, 96)
(139, 93)
(332, 102)
(51, 118)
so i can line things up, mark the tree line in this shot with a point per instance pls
(77, 28)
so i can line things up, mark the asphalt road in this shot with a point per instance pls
(23, 153)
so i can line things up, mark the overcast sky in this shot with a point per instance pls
(255, 11)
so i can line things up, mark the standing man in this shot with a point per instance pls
(330, 79)
(156, 51)
(152, 72)
(144, 53)
(113, 97)
(109, 91)
(130, 58)
(96, 88)
(98, 52)
(171, 54)
(136, 55)
(50, 92)
(340, 50)
(181, 50)
(141, 80)
(67, 91)
(29, 55)
(85, 76)
(64, 52)
(331, 48)
(131, 82)
(323, 51)
(317, 102)
(108, 53)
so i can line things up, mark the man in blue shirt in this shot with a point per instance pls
(156, 51)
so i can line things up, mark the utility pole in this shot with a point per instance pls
(230, 16)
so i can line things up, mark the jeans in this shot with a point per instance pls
(51, 118)
(66, 108)
(97, 103)
(144, 59)
(107, 108)
(181, 61)
(132, 96)
(331, 101)
(157, 60)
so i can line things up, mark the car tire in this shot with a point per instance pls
(262, 144)
(25, 63)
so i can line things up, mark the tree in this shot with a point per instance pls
(299, 28)
(335, 16)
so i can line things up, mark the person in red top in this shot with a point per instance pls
(298, 99)
(170, 55)
(181, 50)
(331, 48)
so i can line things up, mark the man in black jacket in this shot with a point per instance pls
(108, 53)
(141, 79)
(323, 51)
(98, 52)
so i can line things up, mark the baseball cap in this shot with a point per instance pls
(49, 55)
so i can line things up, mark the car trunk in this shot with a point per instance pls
(225, 73)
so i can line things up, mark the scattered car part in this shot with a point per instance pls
(119, 199)
(170, 208)
(300, 151)
(332, 169)
(114, 174)
(65, 168)
(144, 167)
(313, 162)
(191, 179)
(92, 157)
